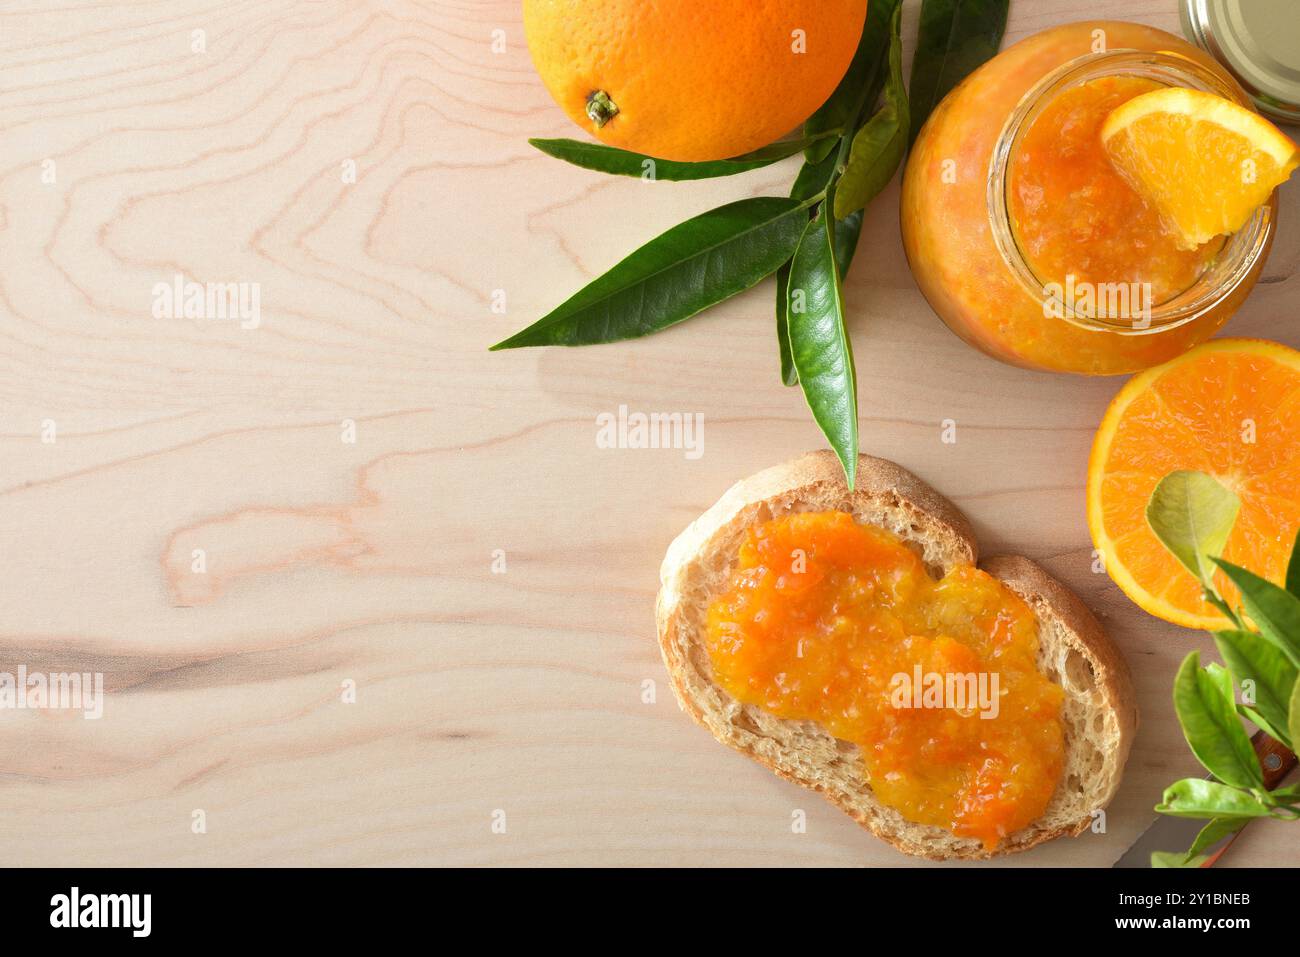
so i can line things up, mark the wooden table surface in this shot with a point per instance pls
(472, 564)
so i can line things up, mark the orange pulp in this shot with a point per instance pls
(821, 618)
(1074, 214)
(1230, 408)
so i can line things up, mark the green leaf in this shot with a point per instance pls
(823, 355)
(879, 147)
(1195, 856)
(1275, 611)
(861, 84)
(954, 38)
(1261, 722)
(1293, 568)
(1197, 797)
(1287, 795)
(1251, 658)
(1207, 711)
(847, 232)
(1192, 514)
(609, 159)
(815, 179)
(1175, 859)
(1213, 833)
(1293, 724)
(689, 268)
(788, 374)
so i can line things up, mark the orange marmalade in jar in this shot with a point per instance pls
(1025, 239)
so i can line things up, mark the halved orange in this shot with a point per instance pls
(1230, 408)
(1205, 163)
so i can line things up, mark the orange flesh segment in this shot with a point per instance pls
(1074, 214)
(1230, 408)
(1206, 163)
(821, 615)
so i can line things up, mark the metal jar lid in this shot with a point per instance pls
(1259, 43)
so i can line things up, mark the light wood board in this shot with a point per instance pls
(330, 562)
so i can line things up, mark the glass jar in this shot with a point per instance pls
(959, 225)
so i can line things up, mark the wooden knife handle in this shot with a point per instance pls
(1277, 763)
(1274, 758)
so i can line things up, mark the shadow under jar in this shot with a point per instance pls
(1030, 245)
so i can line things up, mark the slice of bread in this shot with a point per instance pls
(1098, 713)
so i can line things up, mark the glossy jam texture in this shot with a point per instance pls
(822, 615)
(1072, 212)
(949, 229)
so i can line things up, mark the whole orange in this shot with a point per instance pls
(692, 80)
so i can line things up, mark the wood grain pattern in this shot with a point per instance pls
(372, 561)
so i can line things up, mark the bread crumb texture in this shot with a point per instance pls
(1098, 711)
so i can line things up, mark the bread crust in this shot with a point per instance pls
(1031, 582)
(888, 495)
(876, 478)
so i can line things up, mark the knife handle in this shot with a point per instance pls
(1274, 758)
(1277, 763)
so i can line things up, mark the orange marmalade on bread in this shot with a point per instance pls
(839, 623)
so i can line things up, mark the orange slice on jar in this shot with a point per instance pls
(1230, 408)
(1205, 163)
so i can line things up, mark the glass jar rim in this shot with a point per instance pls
(1236, 260)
